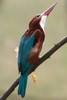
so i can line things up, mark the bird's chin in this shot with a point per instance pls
(43, 22)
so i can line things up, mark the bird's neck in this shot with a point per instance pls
(31, 30)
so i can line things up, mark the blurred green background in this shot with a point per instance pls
(52, 74)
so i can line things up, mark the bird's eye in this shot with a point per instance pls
(37, 15)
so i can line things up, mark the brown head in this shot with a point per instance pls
(39, 20)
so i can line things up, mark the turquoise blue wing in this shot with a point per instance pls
(23, 39)
(21, 45)
(25, 46)
(26, 65)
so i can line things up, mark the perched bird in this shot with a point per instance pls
(30, 46)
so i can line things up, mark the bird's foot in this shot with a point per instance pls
(34, 78)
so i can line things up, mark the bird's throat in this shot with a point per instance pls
(43, 22)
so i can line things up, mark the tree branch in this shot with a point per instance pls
(41, 60)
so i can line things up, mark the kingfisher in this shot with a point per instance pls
(30, 47)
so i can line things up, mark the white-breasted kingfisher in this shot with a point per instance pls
(30, 47)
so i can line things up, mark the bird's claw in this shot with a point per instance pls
(34, 77)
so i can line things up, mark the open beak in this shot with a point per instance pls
(48, 11)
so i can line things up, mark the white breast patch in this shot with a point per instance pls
(43, 22)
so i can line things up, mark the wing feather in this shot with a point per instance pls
(25, 46)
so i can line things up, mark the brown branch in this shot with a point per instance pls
(41, 60)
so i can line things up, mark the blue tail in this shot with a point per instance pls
(22, 85)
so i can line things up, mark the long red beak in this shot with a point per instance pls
(48, 11)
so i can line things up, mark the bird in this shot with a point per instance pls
(30, 46)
